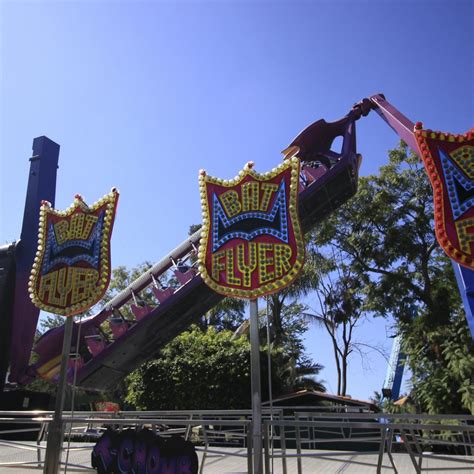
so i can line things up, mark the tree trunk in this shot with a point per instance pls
(344, 375)
(338, 365)
(277, 306)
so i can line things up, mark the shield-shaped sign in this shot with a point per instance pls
(71, 271)
(449, 162)
(251, 242)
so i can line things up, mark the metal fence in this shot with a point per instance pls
(211, 431)
(303, 437)
(442, 437)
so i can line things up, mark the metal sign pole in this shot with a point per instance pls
(256, 388)
(55, 431)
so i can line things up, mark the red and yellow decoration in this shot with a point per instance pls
(71, 270)
(449, 162)
(251, 242)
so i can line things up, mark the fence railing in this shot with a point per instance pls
(419, 436)
(299, 437)
(210, 430)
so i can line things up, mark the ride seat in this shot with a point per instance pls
(184, 277)
(312, 174)
(162, 294)
(140, 311)
(75, 361)
(95, 344)
(118, 326)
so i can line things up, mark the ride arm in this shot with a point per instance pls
(315, 141)
(400, 124)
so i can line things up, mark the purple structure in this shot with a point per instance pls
(41, 186)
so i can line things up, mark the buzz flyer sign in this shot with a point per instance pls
(449, 163)
(251, 241)
(71, 270)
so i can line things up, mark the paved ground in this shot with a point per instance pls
(327, 462)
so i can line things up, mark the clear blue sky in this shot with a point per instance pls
(141, 95)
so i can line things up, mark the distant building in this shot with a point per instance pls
(322, 401)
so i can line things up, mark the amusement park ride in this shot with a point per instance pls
(103, 357)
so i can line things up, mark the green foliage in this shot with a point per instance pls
(281, 307)
(122, 277)
(228, 314)
(197, 370)
(340, 301)
(442, 361)
(385, 233)
(293, 369)
(211, 370)
(385, 236)
(203, 361)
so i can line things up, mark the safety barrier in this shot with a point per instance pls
(208, 430)
(420, 437)
(305, 438)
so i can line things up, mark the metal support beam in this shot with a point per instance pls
(256, 388)
(465, 280)
(400, 124)
(394, 376)
(55, 432)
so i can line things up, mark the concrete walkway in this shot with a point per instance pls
(327, 462)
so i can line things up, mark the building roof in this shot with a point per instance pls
(314, 397)
(401, 401)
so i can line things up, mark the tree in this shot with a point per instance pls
(286, 298)
(442, 362)
(293, 368)
(340, 303)
(339, 309)
(228, 314)
(203, 370)
(385, 236)
(197, 370)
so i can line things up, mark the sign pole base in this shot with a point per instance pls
(256, 388)
(55, 431)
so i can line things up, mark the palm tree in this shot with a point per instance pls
(301, 376)
(307, 280)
